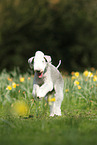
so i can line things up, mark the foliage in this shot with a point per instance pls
(63, 29)
(77, 124)
(80, 88)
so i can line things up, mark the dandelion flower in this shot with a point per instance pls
(51, 100)
(22, 79)
(90, 74)
(79, 87)
(76, 74)
(76, 83)
(20, 108)
(95, 78)
(14, 85)
(85, 73)
(73, 77)
(67, 90)
(9, 87)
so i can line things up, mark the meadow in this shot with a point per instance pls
(24, 120)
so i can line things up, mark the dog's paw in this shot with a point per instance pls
(52, 115)
(40, 94)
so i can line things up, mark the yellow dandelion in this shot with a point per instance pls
(51, 100)
(76, 83)
(20, 108)
(22, 79)
(45, 104)
(9, 87)
(79, 87)
(73, 77)
(76, 74)
(85, 73)
(14, 85)
(90, 74)
(95, 78)
(67, 90)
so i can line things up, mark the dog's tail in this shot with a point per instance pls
(58, 64)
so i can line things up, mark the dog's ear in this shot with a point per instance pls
(30, 61)
(48, 58)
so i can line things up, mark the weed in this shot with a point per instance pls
(32, 125)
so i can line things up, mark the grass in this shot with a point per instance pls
(77, 125)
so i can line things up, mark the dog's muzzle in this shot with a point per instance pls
(39, 73)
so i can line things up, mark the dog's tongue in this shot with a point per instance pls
(40, 74)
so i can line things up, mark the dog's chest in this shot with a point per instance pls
(40, 81)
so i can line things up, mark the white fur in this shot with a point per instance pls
(50, 80)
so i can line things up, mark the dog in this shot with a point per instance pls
(46, 79)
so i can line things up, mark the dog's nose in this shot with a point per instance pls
(38, 71)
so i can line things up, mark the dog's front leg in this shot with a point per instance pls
(35, 90)
(44, 89)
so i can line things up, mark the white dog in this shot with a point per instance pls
(47, 78)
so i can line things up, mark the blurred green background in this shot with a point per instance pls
(63, 29)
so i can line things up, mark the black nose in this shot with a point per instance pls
(38, 71)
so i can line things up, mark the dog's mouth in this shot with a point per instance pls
(40, 74)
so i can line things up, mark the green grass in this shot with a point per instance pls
(76, 126)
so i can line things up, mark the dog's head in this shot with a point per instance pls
(39, 62)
